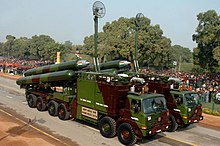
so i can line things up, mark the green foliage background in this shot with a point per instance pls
(117, 41)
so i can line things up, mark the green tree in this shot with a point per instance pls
(21, 48)
(38, 47)
(7, 47)
(1, 49)
(208, 41)
(44, 47)
(67, 53)
(155, 47)
(178, 52)
(117, 41)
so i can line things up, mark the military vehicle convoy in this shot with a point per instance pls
(108, 100)
(183, 105)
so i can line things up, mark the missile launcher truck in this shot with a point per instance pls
(105, 99)
(183, 105)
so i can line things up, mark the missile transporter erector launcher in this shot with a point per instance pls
(105, 99)
(183, 105)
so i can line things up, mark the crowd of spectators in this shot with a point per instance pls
(207, 85)
(18, 66)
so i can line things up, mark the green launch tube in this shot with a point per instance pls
(117, 64)
(47, 77)
(110, 65)
(69, 65)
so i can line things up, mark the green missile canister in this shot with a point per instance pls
(58, 76)
(117, 64)
(69, 65)
(110, 66)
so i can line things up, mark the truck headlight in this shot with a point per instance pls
(196, 111)
(189, 109)
(143, 127)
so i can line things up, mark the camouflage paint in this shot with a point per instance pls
(63, 97)
(111, 98)
(155, 121)
(180, 112)
(89, 97)
(98, 95)
(185, 116)
(117, 64)
(46, 78)
(69, 65)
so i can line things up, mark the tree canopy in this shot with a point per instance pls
(207, 37)
(118, 41)
(178, 52)
(38, 47)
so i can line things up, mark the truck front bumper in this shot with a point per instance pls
(155, 130)
(195, 119)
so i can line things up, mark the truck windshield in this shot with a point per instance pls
(191, 99)
(154, 105)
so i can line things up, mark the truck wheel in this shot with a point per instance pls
(151, 136)
(52, 108)
(186, 125)
(126, 134)
(31, 100)
(107, 127)
(41, 106)
(63, 114)
(173, 125)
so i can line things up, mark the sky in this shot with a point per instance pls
(72, 20)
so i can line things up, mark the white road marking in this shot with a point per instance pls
(24, 102)
(9, 97)
(213, 136)
(92, 128)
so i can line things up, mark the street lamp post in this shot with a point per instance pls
(136, 43)
(98, 12)
(96, 43)
(138, 23)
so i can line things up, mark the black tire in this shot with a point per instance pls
(126, 134)
(173, 125)
(52, 108)
(186, 125)
(31, 100)
(63, 114)
(151, 136)
(41, 106)
(107, 127)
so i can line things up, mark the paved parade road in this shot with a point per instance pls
(12, 100)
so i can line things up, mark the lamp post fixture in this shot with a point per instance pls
(96, 43)
(98, 12)
(138, 23)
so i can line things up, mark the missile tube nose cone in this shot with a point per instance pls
(127, 62)
(82, 63)
(124, 62)
(87, 62)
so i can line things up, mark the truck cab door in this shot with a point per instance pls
(86, 85)
(179, 105)
(135, 109)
